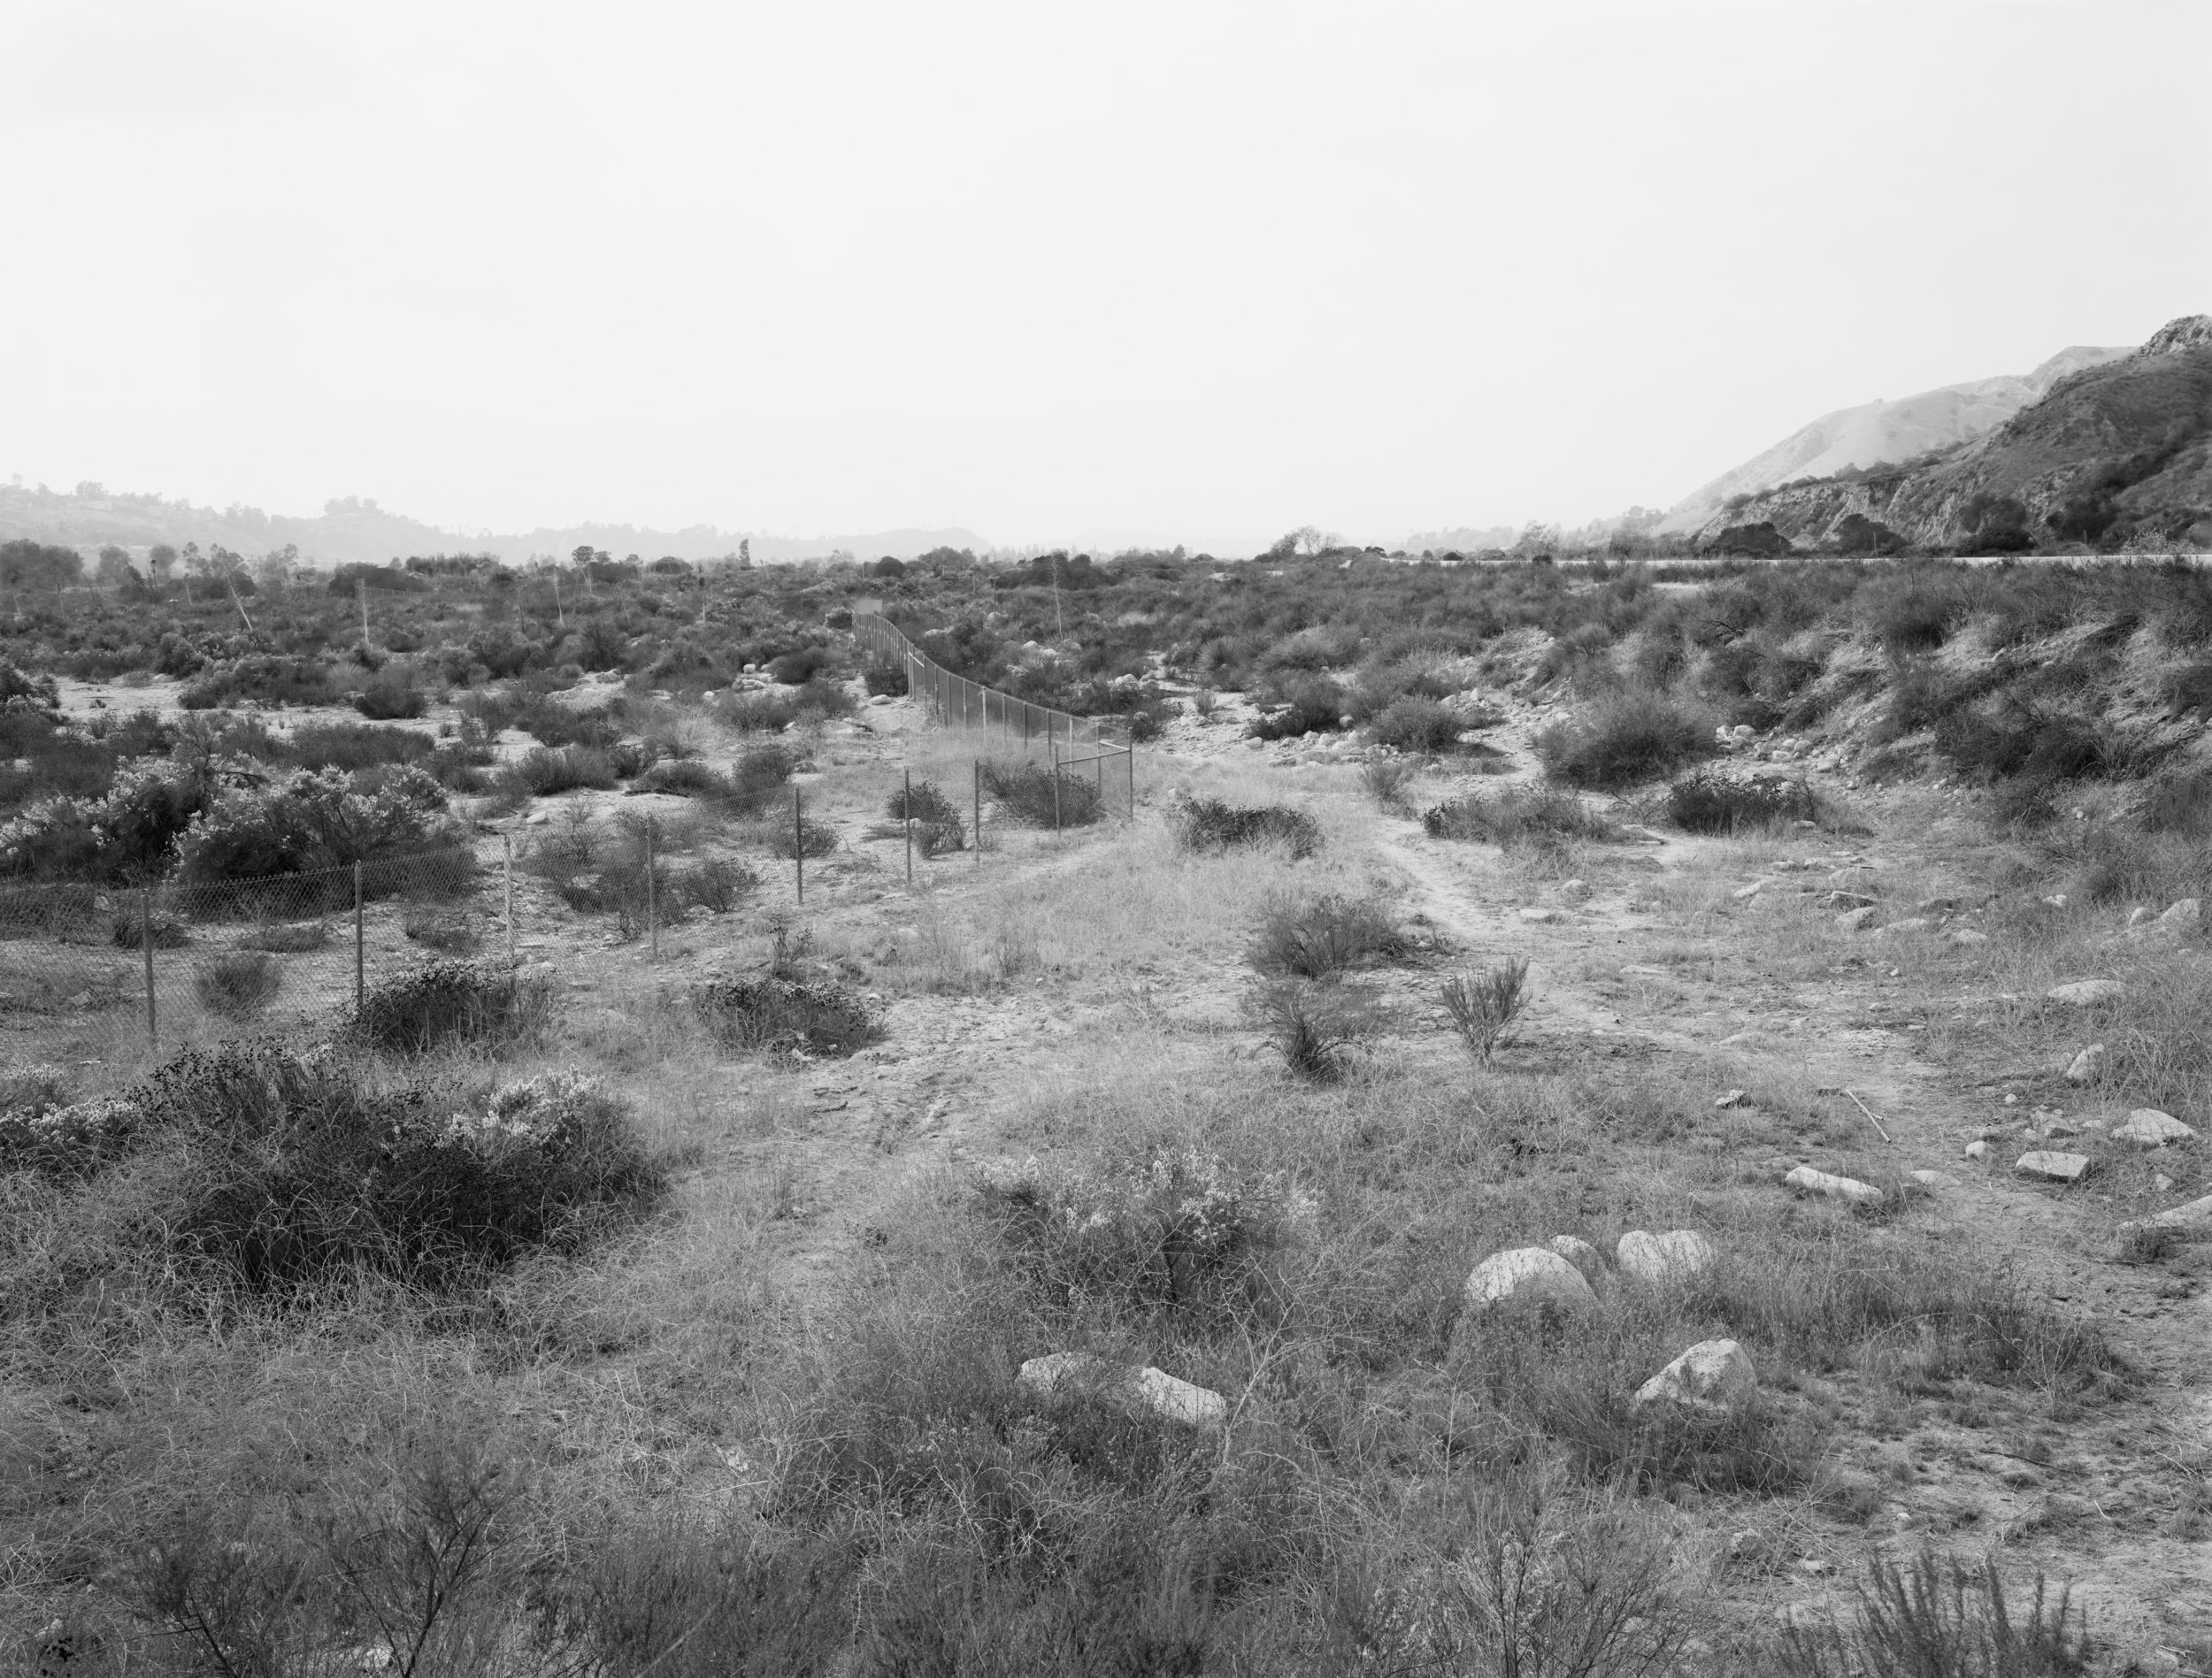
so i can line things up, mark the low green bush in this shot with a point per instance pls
(1317, 938)
(1310, 705)
(1424, 727)
(938, 823)
(1517, 816)
(1625, 739)
(452, 1001)
(1210, 824)
(238, 985)
(1711, 802)
(548, 772)
(267, 678)
(767, 1015)
(1030, 793)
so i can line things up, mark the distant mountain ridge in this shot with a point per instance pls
(354, 530)
(1891, 432)
(2118, 452)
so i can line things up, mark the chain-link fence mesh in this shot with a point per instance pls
(175, 961)
(1074, 748)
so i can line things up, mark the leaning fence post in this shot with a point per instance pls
(146, 937)
(906, 808)
(359, 941)
(979, 807)
(798, 848)
(507, 876)
(1055, 781)
(652, 897)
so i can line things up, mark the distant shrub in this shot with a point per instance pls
(794, 669)
(1028, 792)
(1312, 705)
(238, 985)
(2020, 736)
(1914, 611)
(1411, 724)
(448, 931)
(632, 758)
(755, 713)
(1625, 739)
(1942, 1616)
(716, 883)
(1318, 937)
(886, 680)
(352, 745)
(1707, 802)
(267, 678)
(128, 930)
(687, 780)
(451, 1001)
(807, 838)
(1760, 540)
(284, 938)
(1210, 824)
(1517, 816)
(765, 1014)
(545, 772)
(391, 696)
(125, 835)
(1387, 780)
(823, 697)
(313, 819)
(937, 820)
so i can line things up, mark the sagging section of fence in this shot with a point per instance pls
(172, 961)
(1076, 746)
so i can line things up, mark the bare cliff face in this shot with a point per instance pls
(1890, 432)
(2111, 451)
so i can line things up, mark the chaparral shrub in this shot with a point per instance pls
(1210, 824)
(452, 1001)
(766, 1014)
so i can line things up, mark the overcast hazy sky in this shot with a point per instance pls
(1199, 269)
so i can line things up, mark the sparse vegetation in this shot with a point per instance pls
(1517, 816)
(1210, 824)
(767, 1013)
(452, 1001)
(1482, 1007)
(1625, 739)
(1318, 937)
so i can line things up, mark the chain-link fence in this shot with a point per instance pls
(1074, 747)
(175, 961)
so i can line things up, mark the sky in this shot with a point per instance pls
(1194, 272)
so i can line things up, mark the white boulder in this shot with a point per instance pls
(2148, 1127)
(1711, 1375)
(1060, 1373)
(2084, 993)
(1677, 1255)
(1805, 1180)
(1527, 1277)
(2084, 1067)
(2050, 1166)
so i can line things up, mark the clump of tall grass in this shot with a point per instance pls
(1625, 739)
(938, 825)
(1709, 803)
(1482, 1007)
(765, 1014)
(1938, 1615)
(238, 985)
(1517, 816)
(453, 1001)
(1318, 937)
(1037, 796)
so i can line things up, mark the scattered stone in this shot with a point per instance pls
(1711, 1375)
(2083, 993)
(2148, 1127)
(1940, 906)
(1745, 1544)
(1977, 1150)
(1743, 893)
(1734, 1098)
(1523, 1276)
(1966, 936)
(2084, 1067)
(2163, 1184)
(1856, 920)
(1910, 923)
(2057, 901)
(1931, 1180)
(1676, 1255)
(2060, 1128)
(1580, 1254)
(2195, 1218)
(2183, 917)
(2013, 1100)
(1849, 901)
(2052, 1167)
(1575, 889)
(1805, 1180)
(1174, 1400)
(1145, 1388)
(2137, 916)
(1540, 916)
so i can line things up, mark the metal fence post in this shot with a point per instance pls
(360, 960)
(507, 873)
(652, 895)
(1055, 780)
(798, 846)
(1132, 774)
(979, 807)
(906, 808)
(146, 937)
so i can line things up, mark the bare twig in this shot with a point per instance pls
(1870, 1119)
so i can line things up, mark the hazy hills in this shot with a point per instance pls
(353, 530)
(1885, 431)
(2118, 448)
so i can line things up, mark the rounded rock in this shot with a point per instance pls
(1677, 1255)
(1711, 1375)
(1527, 1277)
